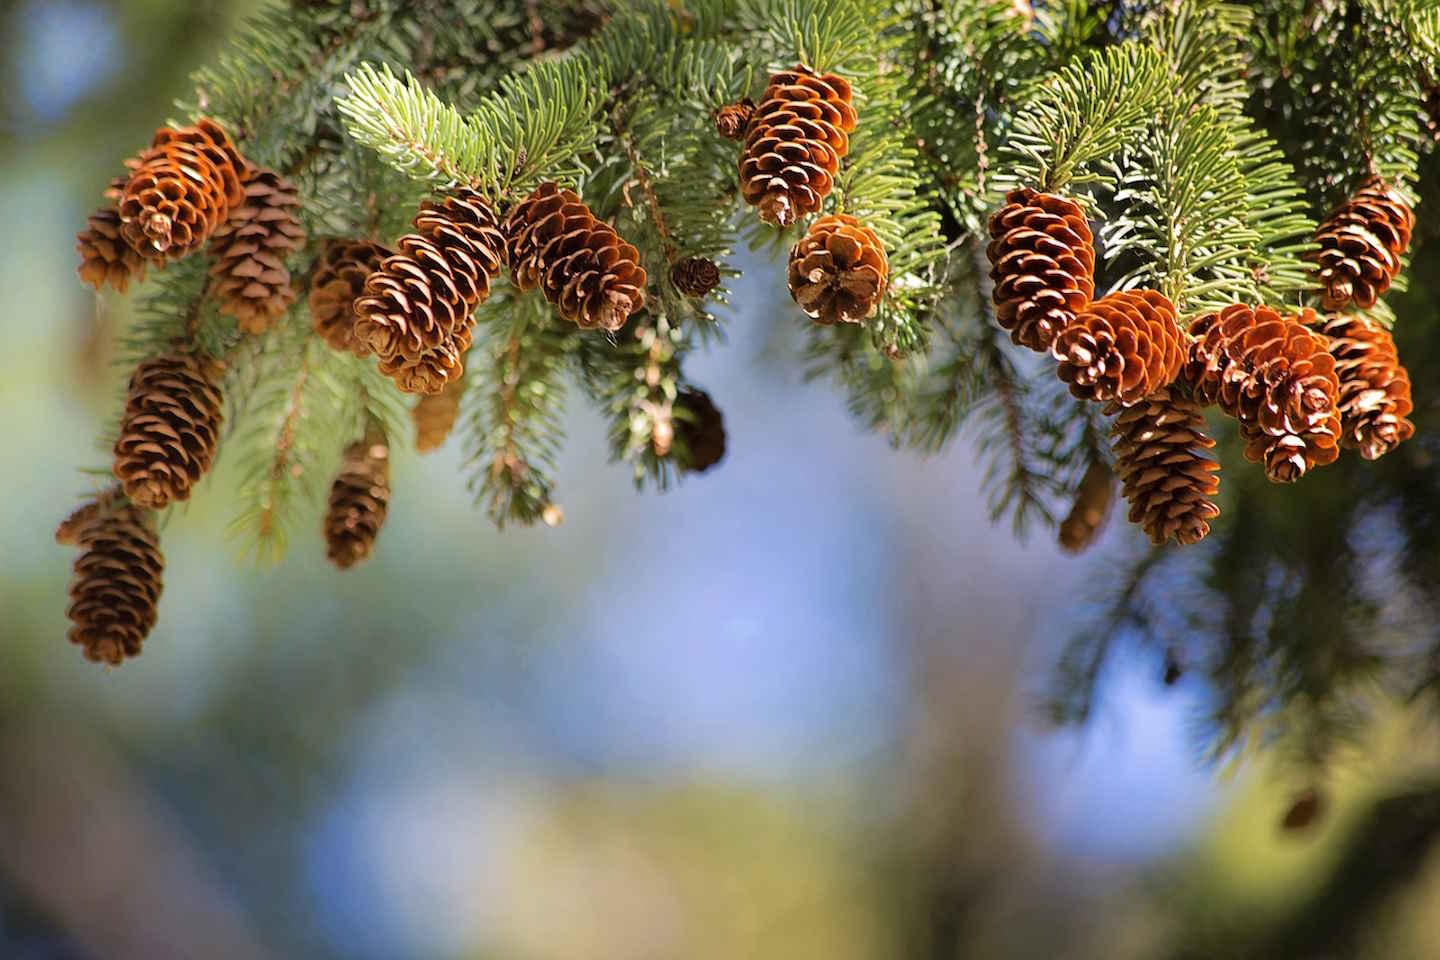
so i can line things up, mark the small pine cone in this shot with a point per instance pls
(170, 429)
(338, 281)
(359, 499)
(1090, 509)
(732, 119)
(838, 271)
(794, 143)
(580, 263)
(117, 580)
(700, 427)
(695, 277)
(1042, 261)
(1122, 348)
(421, 301)
(248, 273)
(435, 415)
(180, 191)
(1374, 387)
(1277, 378)
(105, 257)
(1165, 474)
(1361, 244)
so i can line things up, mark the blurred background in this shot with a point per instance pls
(810, 704)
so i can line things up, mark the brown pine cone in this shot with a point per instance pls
(794, 143)
(1374, 388)
(247, 270)
(1042, 261)
(435, 415)
(339, 280)
(105, 256)
(732, 119)
(417, 313)
(1165, 474)
(695, 277)
(580, 263)
(1361, 244)
(1122, 348)
(117, 580)
(838, 270)
(170, 429)
(1091, 507)
(359, 499)
(700, 428)
(180, 191)
(1276, 377)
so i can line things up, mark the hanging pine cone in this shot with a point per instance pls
(170, 429)
(580, 263)
(180, 191)
(434, 416)
(338, 281)
(700, 427)
(1091, 507)
(1361, 244)
(419, 306)
(695, 277)
(1122, 348)
(838, 270)
(794, 143)
(359, 499)
(1165, 474)
(1042, 262)
(1374, 388)
(248, 275)
(732, 119)
(117, 580)
(1277, 379)
(105, 256)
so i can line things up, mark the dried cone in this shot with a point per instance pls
(248, 275)
(732, 119)
(580, 263)
(170, 429)
(1277, 378)
(180, 191)
(838, 271)
(794, 143)
(1165, 474)
(117, 578)
(1374, 388)
(1121, 348)
(695, 276)
(338, 281)
(700, 427)
(1092, 506)
(105, 256)
(1042, 262)
(1361, 244)
(435, 416)
(359, 499)
(417, 311)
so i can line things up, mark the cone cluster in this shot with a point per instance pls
(695, 277)
(1165, 474)
(248, 276)
(117, 580)
(1374, 394)
(359, 500)
(794, 142)
(700, 428)
(338, 281)
(180, 190)
(1042, 263)
(1361, 244)
(1122, 348)
(170, 429)
(581, 265)
(1090, 509)
(434, 416)
(838, 271)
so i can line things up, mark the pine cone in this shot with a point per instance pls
(359, 499)
(1042, 261)
(1165, 474)
(170, 429)
(794, 143)
(248, 273)
(732, 119)
(1374, 388)
(117, 578)
(695, 277)
(180, 191)
(433, 370)
(1122, 348)
(1090, 509)
(339, 280)
(580, 263)
(700, 427)
(1275, 377)
(838, 271)
(418, 308)
(105, 256)
(1361, 244)
(435, 416)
